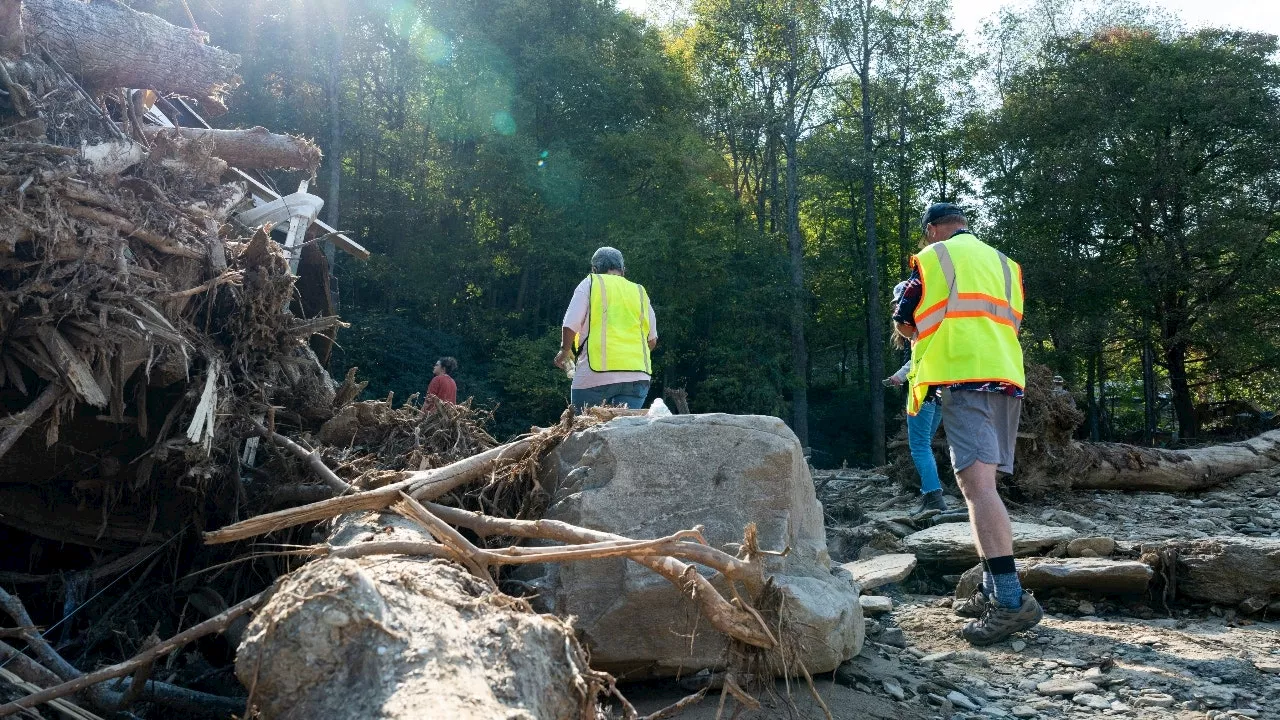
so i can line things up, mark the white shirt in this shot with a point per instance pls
(578, 319)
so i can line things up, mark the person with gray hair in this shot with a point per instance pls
(610, 329)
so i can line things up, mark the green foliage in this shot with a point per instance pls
(488, 147)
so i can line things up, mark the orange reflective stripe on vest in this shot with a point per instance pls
(958, 304)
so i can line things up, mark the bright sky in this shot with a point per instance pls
(1259, 15)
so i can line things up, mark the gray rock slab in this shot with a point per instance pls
(881, 570)
(1065, 686)
(952, 543)
(1099, 575)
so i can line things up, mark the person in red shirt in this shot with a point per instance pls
(442, 386)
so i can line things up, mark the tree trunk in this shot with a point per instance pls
(795, 244)
(332, 204)
(12, 39)
(108, 45)
(875, 332)
(1114, 466)
(253, 148)
(1226, 571)
(1176, 359)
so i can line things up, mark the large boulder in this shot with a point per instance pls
(646, 478)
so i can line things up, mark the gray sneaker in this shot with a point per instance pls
(999, 622)
(972, 606)
(931, 502)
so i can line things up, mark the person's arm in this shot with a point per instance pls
(901, 376)
(575, 321)
(566, 346)
(653, 328)
(904, 312)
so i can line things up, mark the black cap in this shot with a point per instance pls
(937, 211)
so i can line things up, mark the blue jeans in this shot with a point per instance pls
(631, 394)
(920, 432)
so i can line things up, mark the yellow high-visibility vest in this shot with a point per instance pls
(968, 318)
(618, 333)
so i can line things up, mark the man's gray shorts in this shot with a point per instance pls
(981, 426)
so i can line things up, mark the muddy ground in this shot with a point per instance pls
(1092, 656)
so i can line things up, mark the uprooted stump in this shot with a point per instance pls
(404, 638)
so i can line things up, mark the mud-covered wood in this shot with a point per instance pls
(109, 45)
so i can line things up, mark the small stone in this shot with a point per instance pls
(1096, 702)
(1087, 608)
(1023, 711)
(1027, 684)
(1018, 646)
(1065, 686)
(894, 636)
(1117, 706)
(1096, 547)
(1245, 712)
(1270, 667)
(1161, 700)
(1148, 640)
(893, 689)
(938, 656)
(959, 699)
(875, 604)
(1093, 674)
(994, 711)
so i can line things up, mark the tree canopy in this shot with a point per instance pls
(763, 166)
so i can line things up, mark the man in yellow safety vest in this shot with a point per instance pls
(610, 329)
(963, 306)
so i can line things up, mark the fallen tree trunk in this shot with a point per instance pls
(255, 148)
(1114, 466)
(109, 45)
(1228, 571)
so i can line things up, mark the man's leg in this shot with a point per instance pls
(981, 434)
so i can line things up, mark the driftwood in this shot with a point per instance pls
(83, 682)
(52, 666)
(255, 148)
(17, 424)
(108, 45)
(12, 39)
(1113, 466)
(1226, 571)
(422, 485)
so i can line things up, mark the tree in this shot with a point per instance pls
(1156, 153)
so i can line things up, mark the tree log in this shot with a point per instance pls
(1113, 466)
(255, 148)
(107, 45)
(1223, 570)
(12, 38)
